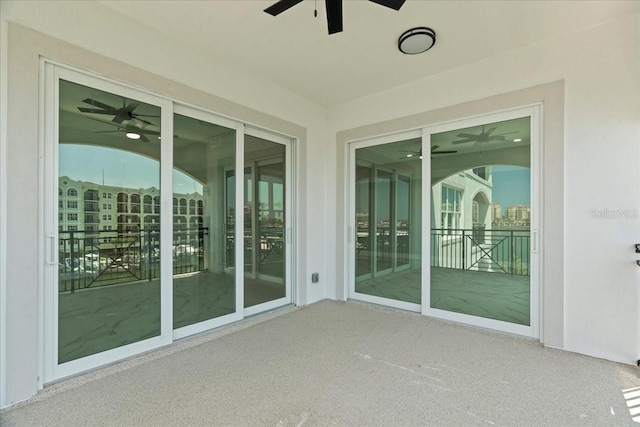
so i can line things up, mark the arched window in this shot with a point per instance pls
(72, 192)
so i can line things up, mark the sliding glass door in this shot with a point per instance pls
(146, 222)
(385, 205)
(458, 241)
(482, 248)
(266, 218)
(204, 289)
(108, 177)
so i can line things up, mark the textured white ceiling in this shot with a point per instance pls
(294, 50)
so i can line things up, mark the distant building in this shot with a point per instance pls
(496, 209)
(518, 213)
(101, 213)
(465, 200)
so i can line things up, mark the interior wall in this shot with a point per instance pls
(600, 68)
(237, 95)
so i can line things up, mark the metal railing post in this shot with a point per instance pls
(150, 251)
(511, 260)
(464, 243)
(71, 254)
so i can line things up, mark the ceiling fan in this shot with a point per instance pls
(120, 115)
(334, 10)
(482, 138)
(433, 151)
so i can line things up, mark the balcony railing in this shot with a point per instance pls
(499, 251)
(270, 245)
(90, 259)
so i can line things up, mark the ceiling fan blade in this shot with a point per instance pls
(334, 15)
(462, 141)
(94, 111)
(496, 138)
(135, 117)
(392, 4)
(98, 104)
(143, 138)
(444, 152)
(279, 7)
(132, 106)
(507, 133)
(121, 117)
(468, 136)
(146, 132)
(487, 133)
(434, 148)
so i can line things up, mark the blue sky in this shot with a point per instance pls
(118, 168)
(511, 186)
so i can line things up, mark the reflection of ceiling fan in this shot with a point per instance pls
(334, 10)
(433, 151)
(482, 138)
(119, 114)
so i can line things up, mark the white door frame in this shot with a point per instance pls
(533, 111)
(352, 226)
(216, 322)
(51, 369)
(288, 220)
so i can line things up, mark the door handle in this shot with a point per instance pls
(52, 249)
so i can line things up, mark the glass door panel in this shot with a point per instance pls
(402, 232)
(363, 249)
(249, 223)
(384, 223)
(387, 250)
(264, 221)
(480, 221)
(270, 220)
(203, 282)
(108, 221)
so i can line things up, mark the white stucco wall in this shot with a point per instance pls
(600, 68)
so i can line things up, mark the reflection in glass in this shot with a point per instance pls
(202, 287)
(109, 187)
(387, 247)
(383, 225)
(264, 221)
(480, 227)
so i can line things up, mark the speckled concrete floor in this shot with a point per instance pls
(346, 364)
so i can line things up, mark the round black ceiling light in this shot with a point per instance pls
(417, 40)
